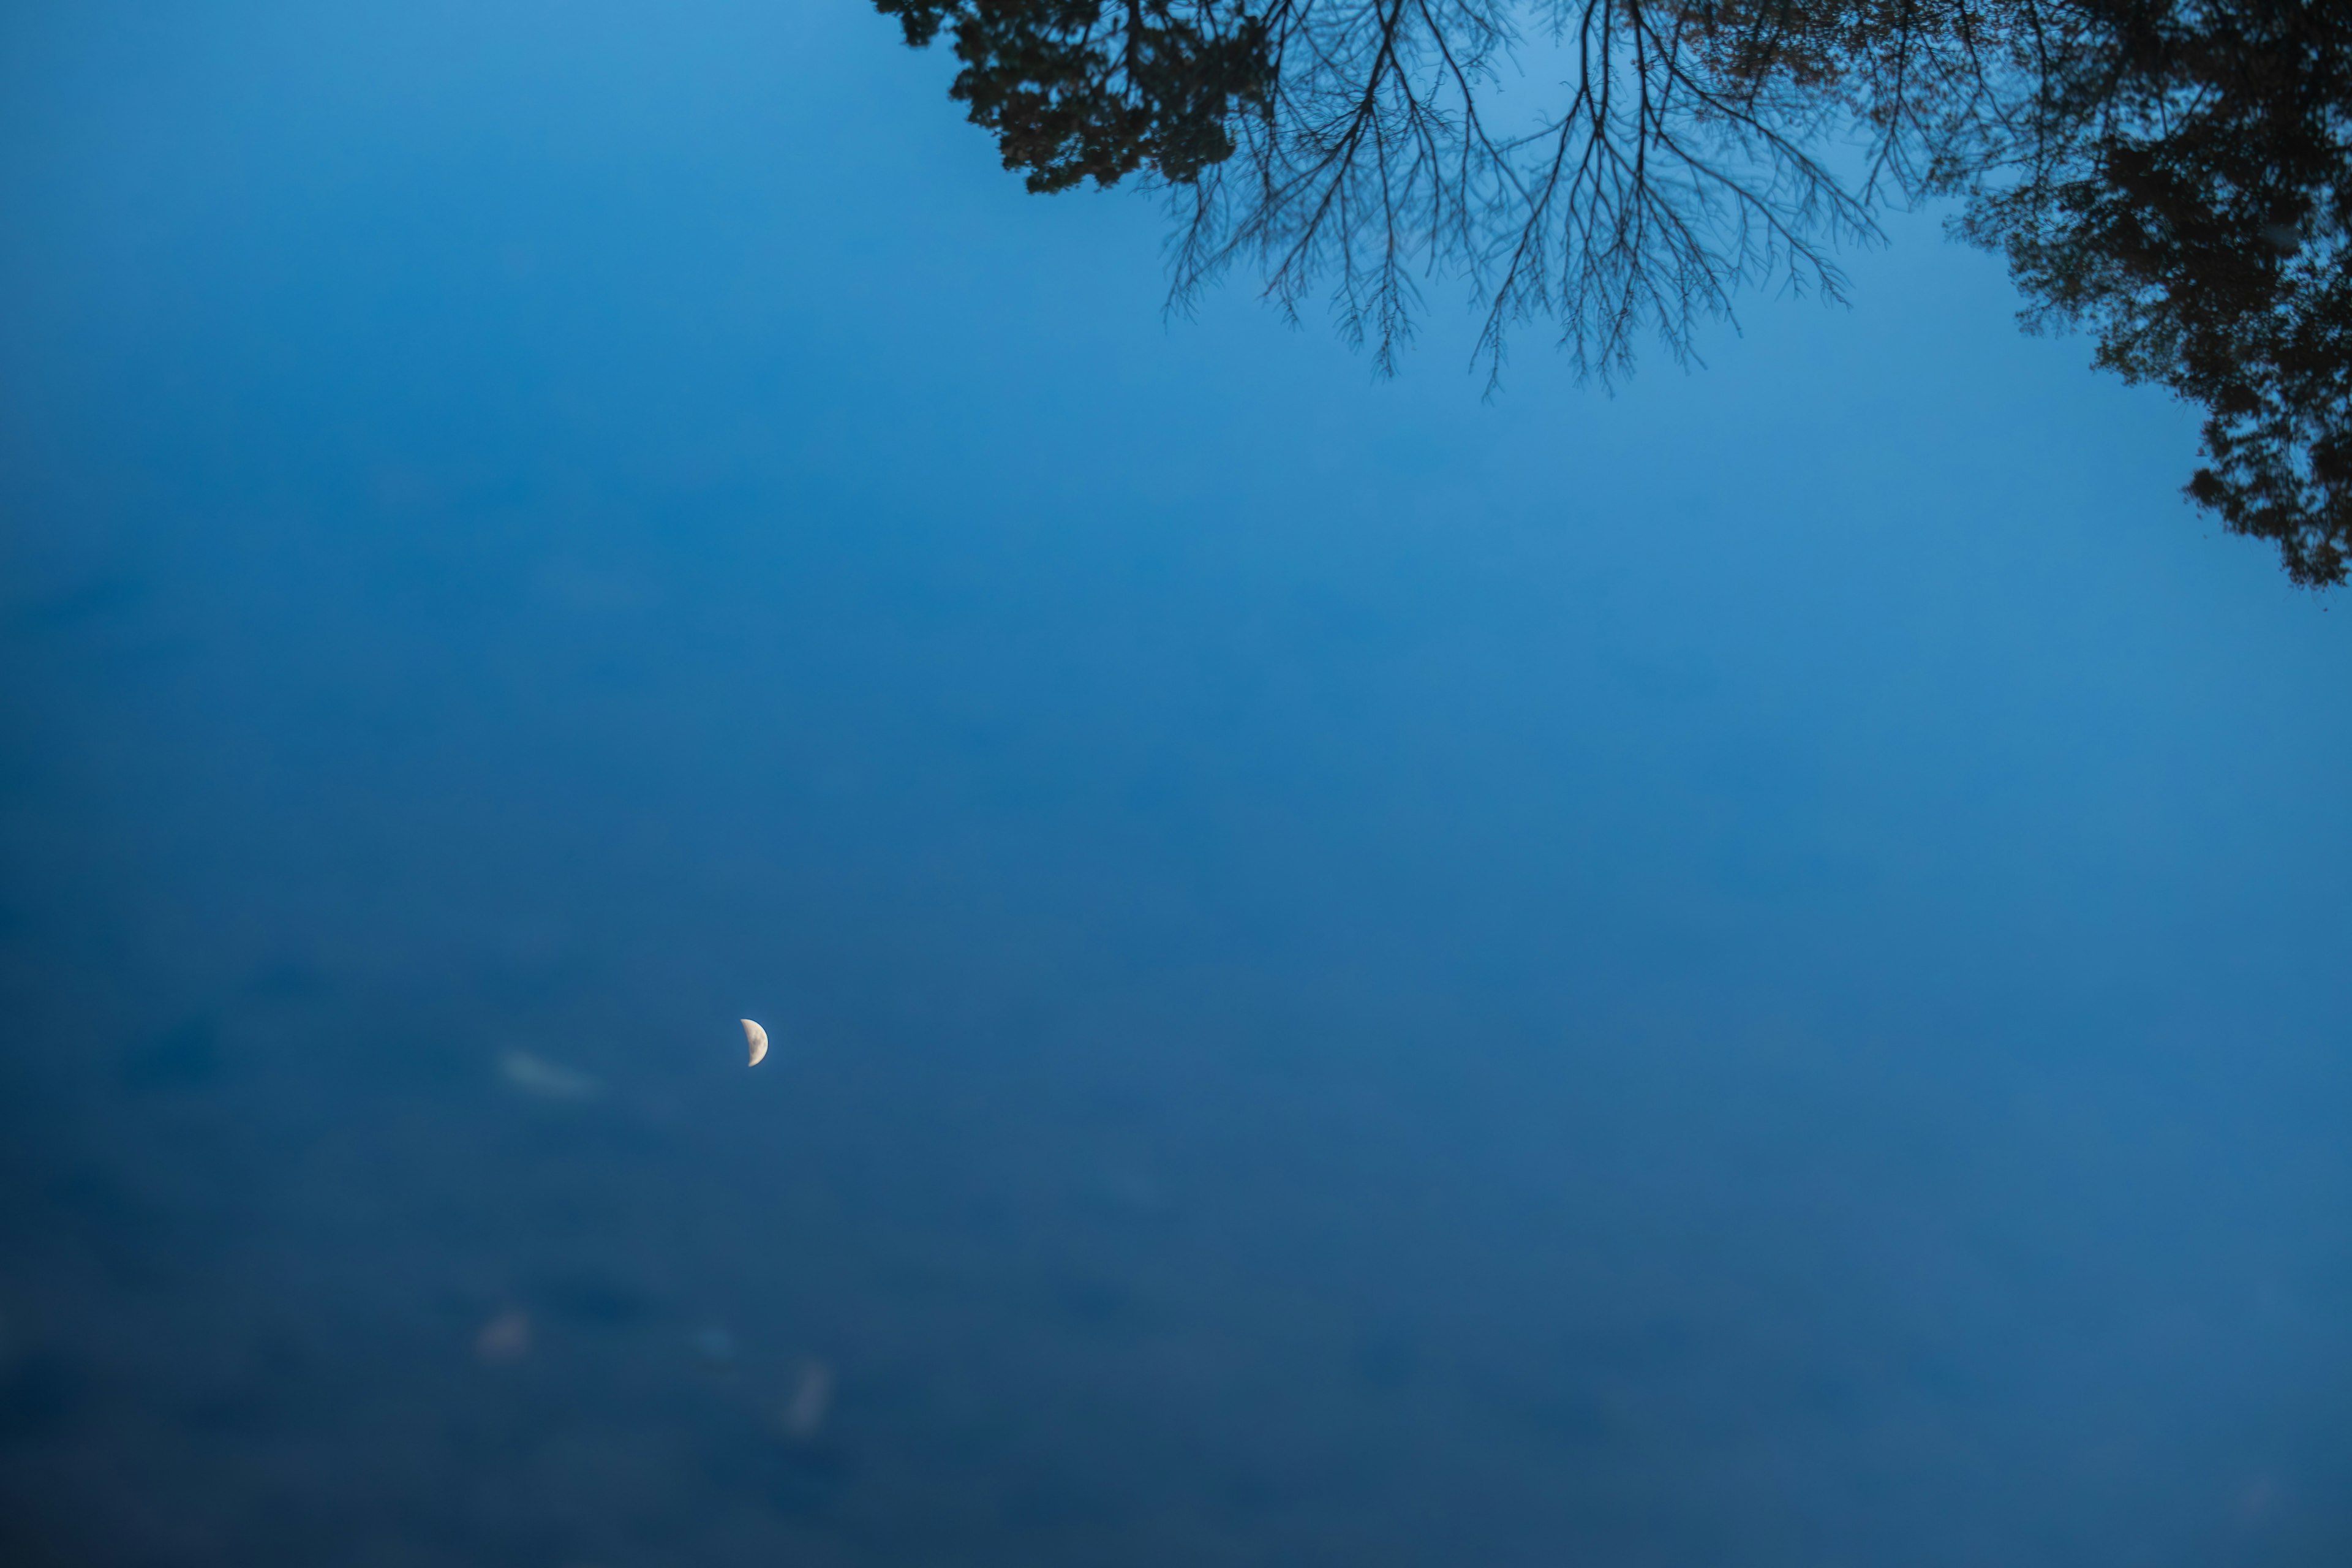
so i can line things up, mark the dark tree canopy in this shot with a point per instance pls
(1078, 89)
(2173, 175)
(2191, 202)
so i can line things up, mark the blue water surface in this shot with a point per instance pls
(1745, 971)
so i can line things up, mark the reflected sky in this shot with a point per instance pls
(1740, 971)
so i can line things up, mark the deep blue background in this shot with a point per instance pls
(1747, 972)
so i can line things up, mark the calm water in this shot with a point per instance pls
(1747, 973)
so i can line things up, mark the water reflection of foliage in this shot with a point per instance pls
(2170, 174)
(2189, 197)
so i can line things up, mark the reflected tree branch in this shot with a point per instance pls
(2142, 163)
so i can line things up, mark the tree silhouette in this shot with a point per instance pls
(1076, 89)
(2188, 198)
(2169, 173)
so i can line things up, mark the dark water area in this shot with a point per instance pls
(1745, 971)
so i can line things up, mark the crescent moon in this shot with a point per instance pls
(757, 1039)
